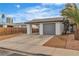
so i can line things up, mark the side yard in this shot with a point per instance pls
(3, 37)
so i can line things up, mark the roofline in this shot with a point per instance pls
(44, 22)
(30, 22)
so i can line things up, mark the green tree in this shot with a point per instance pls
(71, 11)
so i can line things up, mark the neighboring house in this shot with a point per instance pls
(47, 26)
(19, 25)
(6, 25)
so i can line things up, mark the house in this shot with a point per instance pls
(19, 25)
(6, 25)
(47, 26)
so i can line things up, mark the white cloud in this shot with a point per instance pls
(34, 12)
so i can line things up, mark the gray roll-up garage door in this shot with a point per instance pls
(49, 29)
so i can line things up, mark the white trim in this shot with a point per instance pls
(41, 28)
(58, 28)
(29, 29)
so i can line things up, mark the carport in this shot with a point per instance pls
(47, 26)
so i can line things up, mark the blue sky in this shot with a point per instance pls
(22, 12)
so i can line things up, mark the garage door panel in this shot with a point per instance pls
(49, 29)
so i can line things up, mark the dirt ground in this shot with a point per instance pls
(64, 41)
(3, 37)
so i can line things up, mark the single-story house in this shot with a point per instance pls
(19, 25)
(6, 25)
(47, 26)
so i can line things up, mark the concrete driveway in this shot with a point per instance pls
(32, 45)
(25, 42)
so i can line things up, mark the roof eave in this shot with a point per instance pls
(43, 22)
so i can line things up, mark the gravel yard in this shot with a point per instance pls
(64, 41)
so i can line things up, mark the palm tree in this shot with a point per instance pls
(71, 11)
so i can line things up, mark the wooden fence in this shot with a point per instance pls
(6, 31)
(35, 30)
